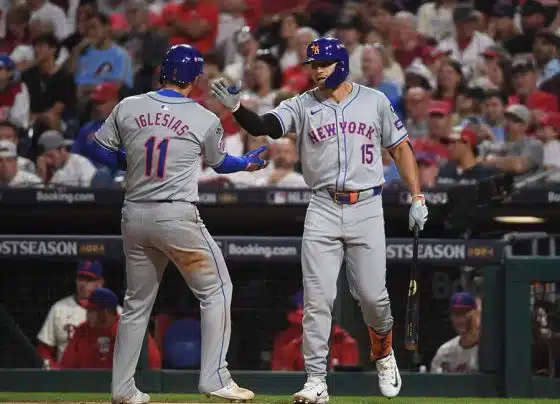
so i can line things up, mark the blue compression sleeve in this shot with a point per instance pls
(110, 158)
(231, 164)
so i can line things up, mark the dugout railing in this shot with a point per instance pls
(505, 356)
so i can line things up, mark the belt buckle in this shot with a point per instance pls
(348, 198)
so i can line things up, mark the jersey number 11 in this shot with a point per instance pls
(162, 149)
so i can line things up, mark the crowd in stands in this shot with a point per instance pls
(476, 82)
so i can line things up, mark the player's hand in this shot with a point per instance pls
(418, 214)
(254, 162)
(228, 95)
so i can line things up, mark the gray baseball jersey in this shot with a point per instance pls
(163, 138)
(340, 144)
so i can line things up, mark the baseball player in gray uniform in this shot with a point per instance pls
(341, 128)
(159, 138)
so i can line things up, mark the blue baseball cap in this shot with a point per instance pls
(6, 61)
(90, 269)
(462, 302)
(101, 299)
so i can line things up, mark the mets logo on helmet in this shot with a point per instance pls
(315, 49)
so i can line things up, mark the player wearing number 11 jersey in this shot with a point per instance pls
(341, 128)
(159, 137)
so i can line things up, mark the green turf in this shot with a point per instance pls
(8, 397)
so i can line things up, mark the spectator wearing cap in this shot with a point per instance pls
(493, 108)
(247, 46)
(408, 44)
(374, 77)
(49, 13)
(494, 71)
(56, 166)
(533, 19)
(546, 50)
(501, 26)
(298, 77)
(548, 132)
(98, 59)
(427, 169)
(104, 98)
(10, 132)
(460, 354)
(468, 43)
(525, 77)
(10, 174)
(439, 126)
(520, 154)
(348, 30)
(14, 96)
(435, 19)
(67, 313)
(287, 353)
(51, 89)
(462, 167)
(145, 45)
(418, 75)
(192, 21)
(416, 102)
(469, 102)
(93, 342)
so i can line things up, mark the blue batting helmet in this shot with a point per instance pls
(181, 65)
(330, 49)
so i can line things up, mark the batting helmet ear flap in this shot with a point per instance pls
(330, 49)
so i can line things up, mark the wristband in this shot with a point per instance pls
(417, 195)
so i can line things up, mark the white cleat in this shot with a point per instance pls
(137, 398)
(233, 393)
(389, 377)
(314, 392)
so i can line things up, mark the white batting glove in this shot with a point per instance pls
(418, 214)
(229, 96)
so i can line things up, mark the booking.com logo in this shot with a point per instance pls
(261, 251)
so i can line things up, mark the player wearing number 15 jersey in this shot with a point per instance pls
(341, 128)
(159, 138)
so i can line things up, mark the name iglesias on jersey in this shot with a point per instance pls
(428, 251)
(38, 248)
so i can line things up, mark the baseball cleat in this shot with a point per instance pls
(389, 377)
(314, 392)
(233, 393)
(137, 398)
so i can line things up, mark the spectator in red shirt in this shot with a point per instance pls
(194, 22)
(286, 354)
(298, 77)
(92, 345)
(439, 127)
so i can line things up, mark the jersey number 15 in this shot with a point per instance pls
(367, 153)
(150, 145)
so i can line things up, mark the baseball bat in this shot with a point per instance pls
(412, 315)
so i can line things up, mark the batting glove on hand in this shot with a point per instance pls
(229, 96)
(254, 162)
(418, 214)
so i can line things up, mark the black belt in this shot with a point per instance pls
(161, 201)
(352, 197)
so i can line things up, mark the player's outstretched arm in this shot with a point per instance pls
(408, 169)
(254, 124)
(249, 162)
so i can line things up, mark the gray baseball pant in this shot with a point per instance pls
(153, 234)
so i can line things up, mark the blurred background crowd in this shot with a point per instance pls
(477, 83)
